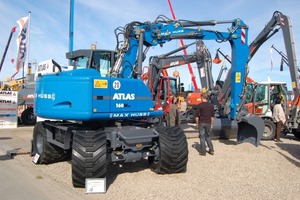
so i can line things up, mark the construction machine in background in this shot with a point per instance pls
(163, 86)
(158, 66)
(260, 96)
(260, 100)
(283, 22)
(204, 68)
(157, 75)
(25, 111)
(101, 113)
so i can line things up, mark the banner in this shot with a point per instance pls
(22, 42)
(8, 109)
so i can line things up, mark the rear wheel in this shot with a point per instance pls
(172, 151)
(48, 153)
(28, 117)
(157, 121)
(296, 133)
(88, 156)
(190, 116)
(269, 130)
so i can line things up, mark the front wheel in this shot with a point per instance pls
(88, 156)
(269, 130)
(172, 151)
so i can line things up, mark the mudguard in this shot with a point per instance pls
(250, 129)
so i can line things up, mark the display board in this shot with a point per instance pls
(8, 109)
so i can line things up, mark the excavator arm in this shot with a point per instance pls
(7, 45)
(272, 27)
(277, 22)
(159, 64)
(137, 35)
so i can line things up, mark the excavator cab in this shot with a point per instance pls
(260, 98)
(100, 60)
(168, 86)
(260, 101)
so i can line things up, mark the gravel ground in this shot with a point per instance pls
(243, 171)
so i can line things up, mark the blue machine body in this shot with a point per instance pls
(83, 94)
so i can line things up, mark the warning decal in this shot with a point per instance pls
(100, 83)
(243, 38)
(238, 77)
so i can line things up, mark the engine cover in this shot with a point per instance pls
(84, 95)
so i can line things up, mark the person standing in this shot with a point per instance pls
(173, 114)
(205, 120)
(279, 117)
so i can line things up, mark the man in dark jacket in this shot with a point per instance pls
(205, 121)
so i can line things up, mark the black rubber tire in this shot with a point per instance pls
(173, 151)
(157, 121)
(190, 116)
(296, 133)
(28, 117)
(48, 152)
(269, 130)
(88, 156)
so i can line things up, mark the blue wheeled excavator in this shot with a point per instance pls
(99, 111)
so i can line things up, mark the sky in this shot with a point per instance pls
(96, 20)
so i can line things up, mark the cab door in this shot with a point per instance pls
(261, 100)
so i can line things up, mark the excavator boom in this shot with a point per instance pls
(7, 45)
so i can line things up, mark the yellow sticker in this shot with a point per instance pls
(293, 85)
(100, 83)
(238, 77)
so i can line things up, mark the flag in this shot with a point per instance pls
(271, 57)
(22, 42)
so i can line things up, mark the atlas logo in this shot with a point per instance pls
(123, 96)
(23, 43)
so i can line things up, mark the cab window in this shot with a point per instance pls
(81, 63)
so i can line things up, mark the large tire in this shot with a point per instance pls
(88, 156)
(296, 133)
(269, 130)
(28, 117)
(48, 153)
(190, 116)
(172, 150)
(157, 121)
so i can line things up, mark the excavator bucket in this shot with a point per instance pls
(250, 129)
